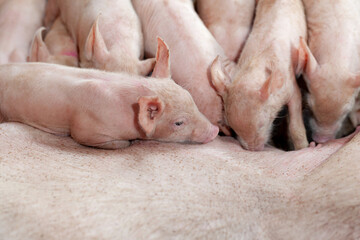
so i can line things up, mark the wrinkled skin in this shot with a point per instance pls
(229, 22)
(332, 64)
(58, 46)
(102, 109)
(264, 78)
(193, 49)
(53, 188)
(107, 33)
(19, 19)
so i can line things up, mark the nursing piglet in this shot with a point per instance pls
(229, 22)
(107, 33)
(102, 109)
(58, 46)
(331, 63)
(264, 79)
(19, 20)
(193, 49)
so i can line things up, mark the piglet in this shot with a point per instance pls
(102, 109)
(58, 46)
(193, 49)
(229, 22)
(264, 79)
(331, 63)
(19, 20)
(107, 33)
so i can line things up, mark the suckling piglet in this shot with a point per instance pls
(331, 63)
(264, 78)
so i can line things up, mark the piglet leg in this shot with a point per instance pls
(297, 130)
(111, 145)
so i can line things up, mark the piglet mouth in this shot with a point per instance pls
(324, 136)
(252, 146)
(319, 138)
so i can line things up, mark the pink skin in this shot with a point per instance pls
(58, 46)
(331, 64)
(107, 33)
(264, 79)
(229, 22)
(193, 49)
(167, 191)
(19, 20)
(78, 102)
(290, 166)
(71, 54)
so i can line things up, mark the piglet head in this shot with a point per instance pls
(248, 111)
(174, 118)
(171, 115)
(97, 55)
(332, 93)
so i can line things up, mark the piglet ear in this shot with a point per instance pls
(38, 51)
(162, 66)
(306, 61)
(220, 77)
(95, 47)
(150, 110)
(272, 83)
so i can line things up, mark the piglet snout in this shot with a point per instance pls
(322, 138)
(210, 134)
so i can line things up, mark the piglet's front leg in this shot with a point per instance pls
(297, 130)
(112, 145)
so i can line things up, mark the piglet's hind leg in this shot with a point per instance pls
(297, 130)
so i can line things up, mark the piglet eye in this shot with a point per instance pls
(179, 123)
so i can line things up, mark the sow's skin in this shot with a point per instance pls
(193, 49)
(229, 22)
(331, 63)
(264, 78)
(102, 109)
(107, 33)
(19, 19)
(58, 46)
(53, 188)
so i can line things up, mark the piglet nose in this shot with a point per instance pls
(214, 131)
(322, 138)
